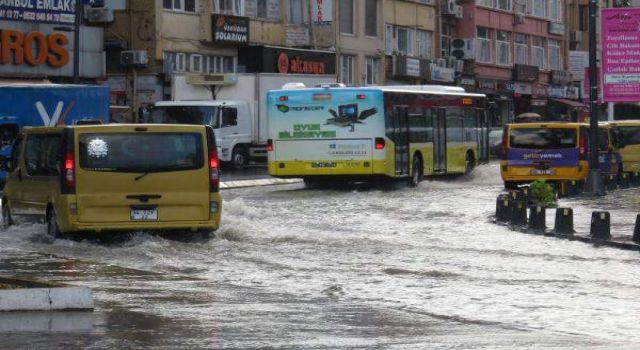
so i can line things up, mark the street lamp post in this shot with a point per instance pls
(594, 183)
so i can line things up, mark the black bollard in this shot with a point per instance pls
(600, 225)
(537, 218)
(564, 221)
(504, 213)
(518, 213)
(636, 230)
(574, 188)
(624, 181)
(526, 194)
(562, 189)
(635, 179)
(516, 195)
(612, 183)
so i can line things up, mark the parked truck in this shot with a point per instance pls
(45, 104)
(235, 105)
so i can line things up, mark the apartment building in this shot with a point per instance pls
(514, 51)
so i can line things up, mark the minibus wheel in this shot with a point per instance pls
(7, 220)
(52, 224)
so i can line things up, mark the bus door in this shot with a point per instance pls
(483, 134)
(400, 137)
(439, 141)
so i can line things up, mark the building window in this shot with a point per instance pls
(520, 6)
(405, 40)
(503, 48)
(371, 18)
(522, 56)
(180, 5)
(504, 5)
(483, 44)
(446, 35)
(296, 12)
(553, 10)
(389, 39)
(371, 71)
(425, 43)
(196, 63)
(583, 20)
(537, 52)
(540, 8)
(346, 16)
(180, 62)
(485, 3)
(346, 69)
(229, 7)
(555, 60)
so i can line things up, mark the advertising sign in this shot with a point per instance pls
(578, 61)
(443, 74)
(266, 59)
(621, 54)
(297, 36)
(322, 11)
(38, 11)
(523, 72)
(230, 29)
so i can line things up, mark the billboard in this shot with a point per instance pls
(53, 11)
(621, 54)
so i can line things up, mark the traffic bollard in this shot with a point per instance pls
(537, 218)
(574, 188)
(516, 195)
(564, 221)
(601, 225)
(636, 230)
(526, 194)
(624, 181)
(518, 213)
(501, 207)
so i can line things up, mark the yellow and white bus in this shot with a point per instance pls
(387, 131)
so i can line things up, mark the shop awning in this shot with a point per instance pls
(571, 103)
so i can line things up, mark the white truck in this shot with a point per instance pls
(235, 105)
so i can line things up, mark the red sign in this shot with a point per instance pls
(34, 48)
(298, 65)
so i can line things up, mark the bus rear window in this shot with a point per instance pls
(148, 152)
(629, 135)
(543, 138)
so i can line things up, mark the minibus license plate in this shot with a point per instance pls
(542, 171)
(144, 214)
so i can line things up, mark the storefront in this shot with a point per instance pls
(272, 59)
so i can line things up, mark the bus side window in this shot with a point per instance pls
(428, 115)
(229, 117)
(454, 125)
(417, 128)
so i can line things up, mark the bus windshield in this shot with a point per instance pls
(543, 138)
(198, 115)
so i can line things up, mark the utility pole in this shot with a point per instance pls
(594, 183)
(76, 42)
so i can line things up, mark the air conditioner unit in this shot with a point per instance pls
(449, 7)
(99, 15)
(518, 18)
(462, 48)
(576, 36)
(459, 12)
(441, 62)
(451, 62)
(134, 58)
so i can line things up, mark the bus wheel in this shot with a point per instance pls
(416, 173)
(470, 163)
(239, 157)
(7, 220)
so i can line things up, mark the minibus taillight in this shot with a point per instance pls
(380, 143)
(214, 171)
(69, 171)
(269, 145)
(582, 151)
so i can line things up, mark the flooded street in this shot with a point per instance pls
(356, 268)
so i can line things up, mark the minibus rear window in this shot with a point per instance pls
(543, 138)
(141, 152)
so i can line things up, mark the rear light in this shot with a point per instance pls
(269, 145)
(284, 98)
(69, 172)
(361, 96)
(214, 171)
(582, 150)
(380, 143)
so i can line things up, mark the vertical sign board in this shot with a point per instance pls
(38, 11)
(322, 11)
(621, 54)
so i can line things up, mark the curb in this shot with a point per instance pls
(28, 295)
(257, 182)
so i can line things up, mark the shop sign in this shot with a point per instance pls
(556, 28)
(322, 11)
(269, 59)
(33, 48)
(562, 77)
(288, 64)
(621, 54)
(468, 81)
(573, 92)
(297, 36)
(558, 91)
(518, 88)
(230, 29)
(38, 11)
(443, 74)
(578, 61)
(487, 84)
(539, 90)
(526, 73)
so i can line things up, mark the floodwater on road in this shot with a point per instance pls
(343, 268)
